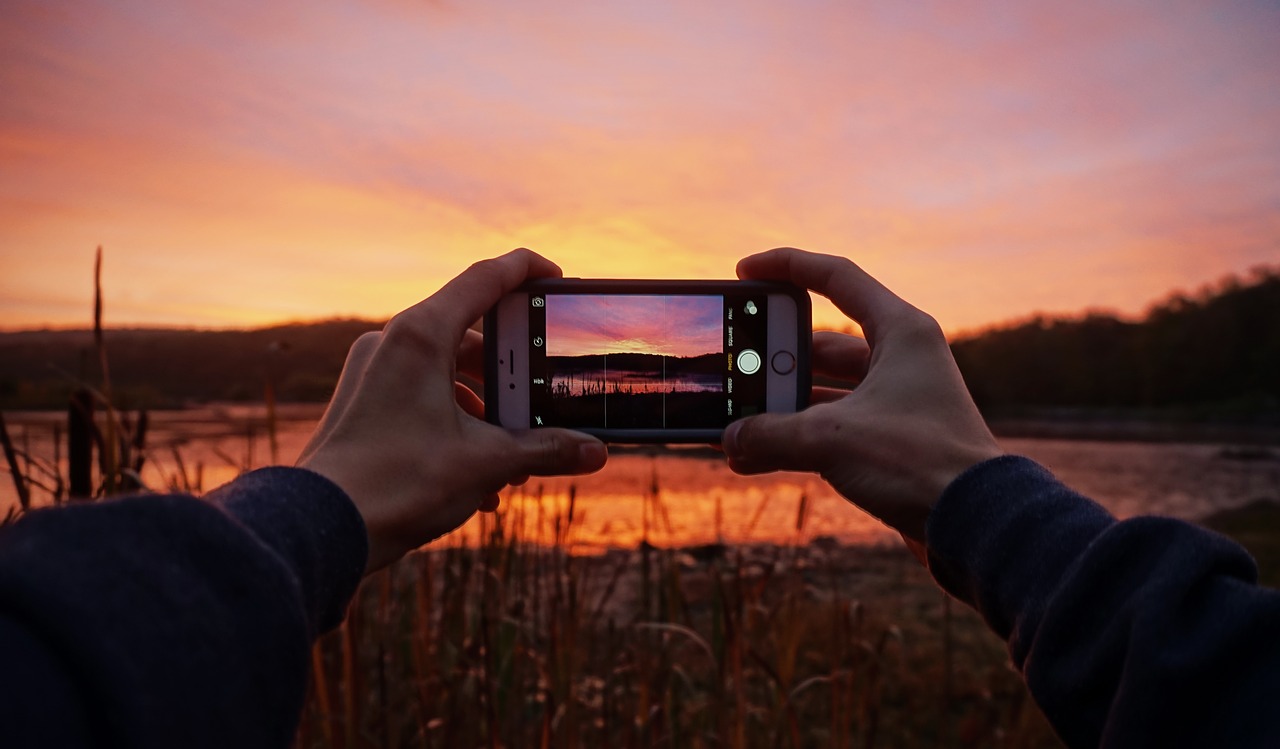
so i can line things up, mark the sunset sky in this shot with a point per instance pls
(634, 324)
(244, 163)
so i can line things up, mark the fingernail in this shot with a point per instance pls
(592, 455)
(729, 440)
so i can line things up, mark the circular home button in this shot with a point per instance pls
(784, 362)
(748, 361)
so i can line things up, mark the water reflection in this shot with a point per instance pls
(625, 382)
(691, 497)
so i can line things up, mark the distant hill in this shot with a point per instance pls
(704, 364)
(169, 368)
(1213, 355)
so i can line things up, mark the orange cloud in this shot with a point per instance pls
(245, 163)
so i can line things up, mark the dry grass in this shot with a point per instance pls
(514, 641)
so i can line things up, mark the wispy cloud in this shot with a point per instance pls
(588, 324)
(307, 159)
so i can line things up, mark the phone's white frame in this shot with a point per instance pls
(781, 390)
(513, 361)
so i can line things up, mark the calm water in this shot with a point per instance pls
(625, 381)
(673, 499)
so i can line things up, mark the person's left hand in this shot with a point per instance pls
(408, 442)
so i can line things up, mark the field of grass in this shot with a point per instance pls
(509, 643)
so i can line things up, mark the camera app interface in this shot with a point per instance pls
(636, 361)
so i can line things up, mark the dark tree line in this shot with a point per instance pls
(704, 364)
(170, 368)
(1214, 354)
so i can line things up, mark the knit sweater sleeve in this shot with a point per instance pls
(1144, 632)
(166, 620)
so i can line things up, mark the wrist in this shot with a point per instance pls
(954, 463)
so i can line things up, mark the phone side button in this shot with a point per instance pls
(784, 362)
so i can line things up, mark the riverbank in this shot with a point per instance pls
(686, 495)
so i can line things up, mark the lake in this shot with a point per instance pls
(686, 497)
(575, 384)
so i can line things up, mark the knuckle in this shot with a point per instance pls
(482, 266)
(919, 328)
(551, 449)
(365, 343)
(840, 272)
(842, 265)
(402, 332)
(491, 270)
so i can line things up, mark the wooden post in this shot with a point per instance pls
(80, 444)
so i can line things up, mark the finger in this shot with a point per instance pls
(555, 452)
(841, 356)
(855, 292)
(776, 442)
(490, 503)
(468, 401)
(471, 355)
(466, 298)
(353, 369)
(819, 394)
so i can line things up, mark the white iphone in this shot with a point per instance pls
(646, 361)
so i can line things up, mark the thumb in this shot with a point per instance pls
(556, 452)
(772, 442)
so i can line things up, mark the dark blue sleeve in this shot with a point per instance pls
(162, 621)
(1146, 632)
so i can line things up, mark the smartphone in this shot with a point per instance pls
(646, 361)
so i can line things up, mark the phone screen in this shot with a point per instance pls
(645, 361)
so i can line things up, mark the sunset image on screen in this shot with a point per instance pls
(676, 325)
(635, 361)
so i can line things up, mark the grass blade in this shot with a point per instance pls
(11, 457)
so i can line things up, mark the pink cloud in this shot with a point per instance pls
(579, 325)
(982, 158)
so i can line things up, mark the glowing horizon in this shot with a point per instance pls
(589, 324)
(246, 164)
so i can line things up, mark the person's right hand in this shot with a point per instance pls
(902, 435)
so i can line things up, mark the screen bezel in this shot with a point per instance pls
(507, 379)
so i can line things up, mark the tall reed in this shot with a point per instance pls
(508, 638)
